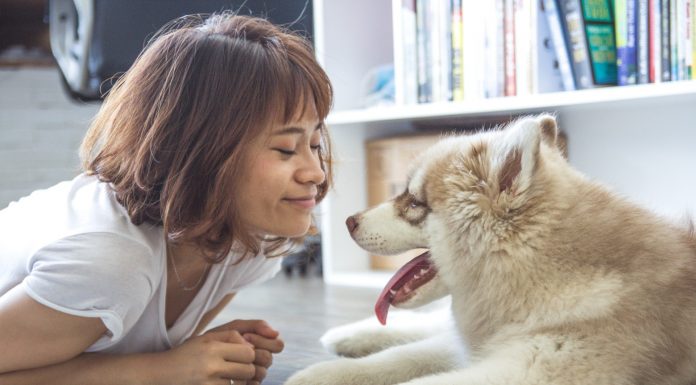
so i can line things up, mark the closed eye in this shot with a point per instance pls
(285, 152)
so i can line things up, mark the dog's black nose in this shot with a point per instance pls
(352, 223)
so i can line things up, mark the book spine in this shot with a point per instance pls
(688, 52)
(445, 42)
(559, 44)
(494, 61)
(599, 30)
(500, 44)
(656, 41)
(627, 60)
(681, 31)
(409, 58)
(523, 47)
(423, 53)
(547, 75)
(693, 39)
(399, 70)
(673, 39)
(435, 45)
(474, 47)
(665, 45)
(582, 68)
(457, 52)
(510, 70)
(642, 43)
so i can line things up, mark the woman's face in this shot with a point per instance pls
(280, 174)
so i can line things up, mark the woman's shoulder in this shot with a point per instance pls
(83, 212)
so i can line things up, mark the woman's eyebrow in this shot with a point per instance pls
(295, 130)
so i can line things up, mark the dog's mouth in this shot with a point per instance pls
(404, 284)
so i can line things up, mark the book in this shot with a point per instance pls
(665, 43)
(546, 73)
(654, 49)
(693, 39)
(457, 52)
(599, 30)
(642, 42)
(424, 76)
(577, 43)
(626, 35)
(509, 48)
(405, 56)
(555, 26)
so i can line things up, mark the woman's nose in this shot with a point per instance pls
(311, 171)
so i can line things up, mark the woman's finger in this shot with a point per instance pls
(273, 345)
(239, 353)
(263, 358)
(260, 373)
(238, 372)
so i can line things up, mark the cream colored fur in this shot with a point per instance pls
(553, 278)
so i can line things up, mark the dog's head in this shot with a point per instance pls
(466, 197)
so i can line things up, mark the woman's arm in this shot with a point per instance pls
(34, 335)
(42, 345)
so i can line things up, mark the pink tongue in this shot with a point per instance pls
(405, 274)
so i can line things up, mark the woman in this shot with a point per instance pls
(204, 162)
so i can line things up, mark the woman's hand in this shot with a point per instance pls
(264, 340)
(213, 358)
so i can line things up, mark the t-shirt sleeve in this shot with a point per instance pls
(101, 275)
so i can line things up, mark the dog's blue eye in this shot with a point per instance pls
(415, 205)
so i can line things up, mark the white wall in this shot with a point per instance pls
(40, 131)
(644, 149)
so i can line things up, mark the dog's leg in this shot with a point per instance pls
(441, 353)
(542, 360)
(368, 336)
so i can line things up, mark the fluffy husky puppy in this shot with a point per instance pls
(553, 278)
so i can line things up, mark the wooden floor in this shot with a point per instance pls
(302, 309)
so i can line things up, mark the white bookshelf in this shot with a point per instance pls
(641, 140)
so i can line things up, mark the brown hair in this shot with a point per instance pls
(173, 130)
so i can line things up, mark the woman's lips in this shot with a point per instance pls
(305, 203)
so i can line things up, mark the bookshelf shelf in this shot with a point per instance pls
(512, 105)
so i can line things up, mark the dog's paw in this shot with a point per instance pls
(368, 336)
(358, 340)
(337, 372)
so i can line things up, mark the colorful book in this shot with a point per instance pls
(577, 43)
(665, 43)
(655, 31)
(599, 30)
(626, 35)
(642, 45)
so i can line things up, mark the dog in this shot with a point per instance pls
(552, 278)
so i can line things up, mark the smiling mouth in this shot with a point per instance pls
(306, 202)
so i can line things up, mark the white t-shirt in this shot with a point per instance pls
(73, 248)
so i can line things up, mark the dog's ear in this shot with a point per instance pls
(519, 153)
(549, 129)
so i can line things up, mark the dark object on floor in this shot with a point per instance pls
(307, 258)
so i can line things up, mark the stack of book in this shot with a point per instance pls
(454, 50)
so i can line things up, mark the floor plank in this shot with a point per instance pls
(302, 309)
